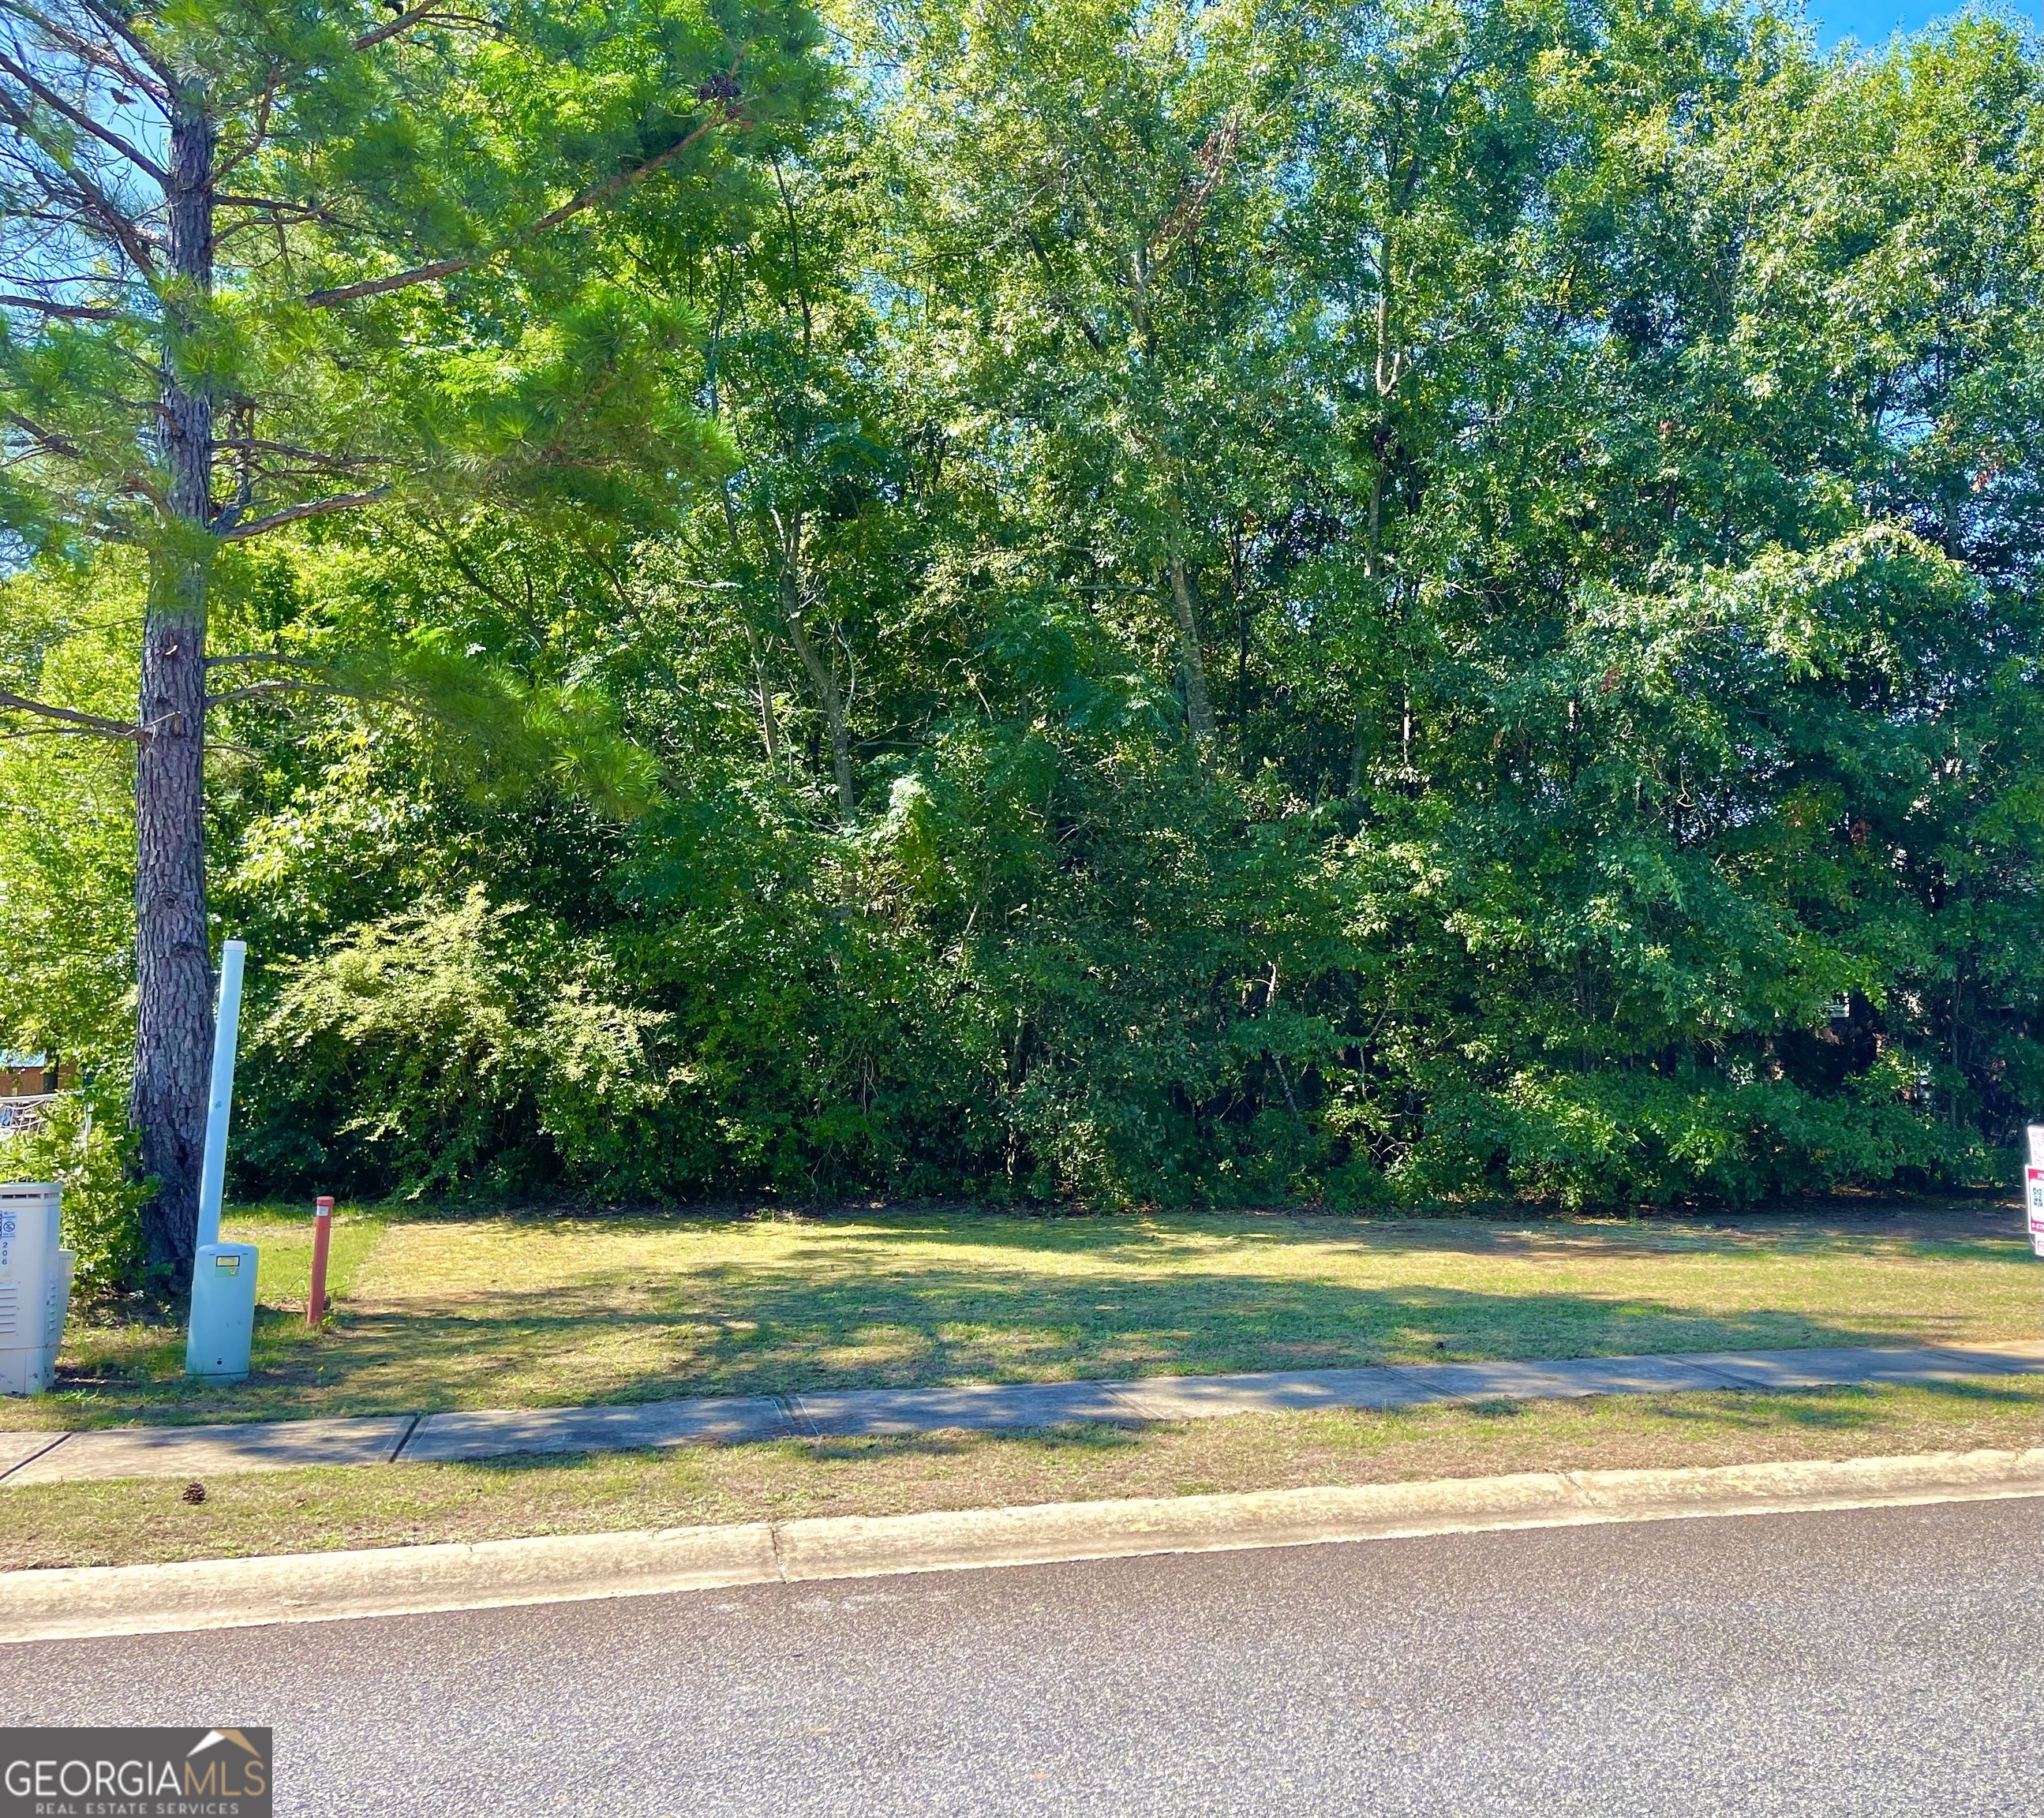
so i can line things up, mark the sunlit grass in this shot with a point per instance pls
(535, 1310)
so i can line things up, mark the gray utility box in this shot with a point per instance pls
(35, 1284)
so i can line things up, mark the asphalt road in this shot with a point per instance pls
(1863, 1663)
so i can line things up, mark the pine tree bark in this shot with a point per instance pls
(173, 969)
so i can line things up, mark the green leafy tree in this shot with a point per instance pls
(1598, 441)
(1086, 203)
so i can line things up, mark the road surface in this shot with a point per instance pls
(1873, 1661)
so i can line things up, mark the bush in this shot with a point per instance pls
(1605, 1140)
(449, 1048)
(84, 1144)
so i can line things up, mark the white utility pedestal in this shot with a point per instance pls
(35, 1284)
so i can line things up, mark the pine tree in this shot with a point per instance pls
(263, 263)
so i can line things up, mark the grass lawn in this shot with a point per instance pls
(121, 1523)
(451, 1312)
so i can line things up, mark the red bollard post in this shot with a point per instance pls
(322, 1233)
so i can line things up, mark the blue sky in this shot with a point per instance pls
(1872, 22)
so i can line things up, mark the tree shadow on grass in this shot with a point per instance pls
(1066, 1441)
(1842, 1408)
(1992, 1234)
(732, 1330)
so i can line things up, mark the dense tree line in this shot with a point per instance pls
(1182, 604)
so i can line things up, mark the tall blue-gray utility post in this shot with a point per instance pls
(223, 1299)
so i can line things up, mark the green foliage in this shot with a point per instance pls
(1583, 458)
(66, 819)
(1603, 1141)
(447, 1047)
(83, 1145)
(519, 367)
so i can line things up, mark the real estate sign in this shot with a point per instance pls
(2033, 1188)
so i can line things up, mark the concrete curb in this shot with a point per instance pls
(78, 1603)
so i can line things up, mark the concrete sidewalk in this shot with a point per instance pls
(283, 1445)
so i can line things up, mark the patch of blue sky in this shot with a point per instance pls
(1872, 23)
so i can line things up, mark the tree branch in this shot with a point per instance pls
(81, 192)
(256, 690)
(588, 199)
(129, 75)
(398, 281)
(404, 22)
(264, 656)
(136, 485)
(302, 211)
(82, 120)
(1064, 305)
(625, 179)
(257, 132)
(294, 514)
(79, 311)
(91, 723)
(255, 445)
(467, 571)
(55, 444)
(108, 16)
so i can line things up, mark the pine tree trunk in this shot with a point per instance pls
(173, 969)
(173, 973)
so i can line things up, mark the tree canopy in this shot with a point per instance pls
(1186, 604)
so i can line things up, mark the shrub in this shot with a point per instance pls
(84, 1144)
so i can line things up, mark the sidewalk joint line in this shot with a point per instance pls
(23, 1463)
(404, 1439)
(1723, 1376)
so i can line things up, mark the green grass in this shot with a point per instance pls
(144, 1360)
(125, 1522)
(284, 1273)
(445, 1312)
